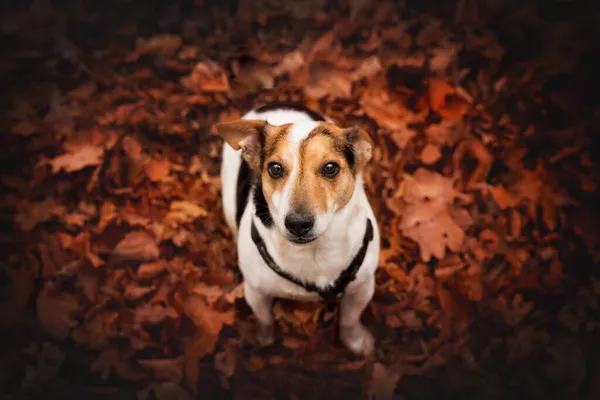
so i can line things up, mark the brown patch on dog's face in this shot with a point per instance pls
(276, 151)
(312, 174)
(254, 137)
(314, 191)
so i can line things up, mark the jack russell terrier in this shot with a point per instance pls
(293, 194)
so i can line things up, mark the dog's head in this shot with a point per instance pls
(307, 170)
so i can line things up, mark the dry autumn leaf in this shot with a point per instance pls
(165, 45)
(165, 369)
(56, 311)
(426, 218)
(85, 156)
(158, 169)
(183, 211)
(137, 246)
(430, 154)
(207, 76)
(29, 215)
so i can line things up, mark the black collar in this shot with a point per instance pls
(330, 292)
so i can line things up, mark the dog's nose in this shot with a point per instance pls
(299, 223)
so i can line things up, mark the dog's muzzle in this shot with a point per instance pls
(300, 226)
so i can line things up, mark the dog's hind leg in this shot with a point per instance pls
(262, 307)
(353, 333)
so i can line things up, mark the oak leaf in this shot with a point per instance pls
(426, 218)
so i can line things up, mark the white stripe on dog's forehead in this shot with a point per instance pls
(299, 132)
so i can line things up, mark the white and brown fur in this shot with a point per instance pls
(302, 142)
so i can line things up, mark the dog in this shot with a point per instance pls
(293, 196)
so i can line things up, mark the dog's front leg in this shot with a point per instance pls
(352, 332)
(262, 307)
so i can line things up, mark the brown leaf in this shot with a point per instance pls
(153, 314)
(475, 150)
(31, 214)
(152, 270)
(165, 45)
(291, 62)
(110, 360)
(56, 311)
(164, 391)
(329, 82)
(158, 169)
(207, 76)
(387, 108)
(384, 380)
(108, 212)
(134, 292)
(226, 361)
(183, 211)
(85, 156)
(503, 198)
(137, 246)
(426, 218)
(431, 154)
(367, 69)
(165, 369)
(203, 316)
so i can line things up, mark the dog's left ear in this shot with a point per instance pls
(362, 145)
(247, 135)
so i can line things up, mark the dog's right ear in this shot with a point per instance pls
(247, 135)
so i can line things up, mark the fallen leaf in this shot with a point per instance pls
(226, 361)
(426, 218)
(164, 391)
(31, 214)
(56, 311)
(183, 211)
(207, 76)
(85, 156)
(165, 369)
(158, 169)
(472, 149)
(134, 292)
(384, 380)
(431, 154)
(137, 246)
(152, 270)
(165, 45)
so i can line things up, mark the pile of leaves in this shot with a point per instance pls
(482, 182)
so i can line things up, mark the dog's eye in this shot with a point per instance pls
(275, 170)
(330, 170)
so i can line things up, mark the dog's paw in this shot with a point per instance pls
(358, 339)
(265, 335)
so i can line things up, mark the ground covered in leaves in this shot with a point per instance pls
(120, 278)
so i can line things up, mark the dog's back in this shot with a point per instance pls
(236, 175)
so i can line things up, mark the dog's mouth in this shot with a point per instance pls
(302, 240)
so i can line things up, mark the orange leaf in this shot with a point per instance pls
(430, 154)
(438, 90)
(158, 169)
(137, 246)
(503, 198)
(152, 270)
(85, 156)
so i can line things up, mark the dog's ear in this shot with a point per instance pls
(247, 135)
(362, 145)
